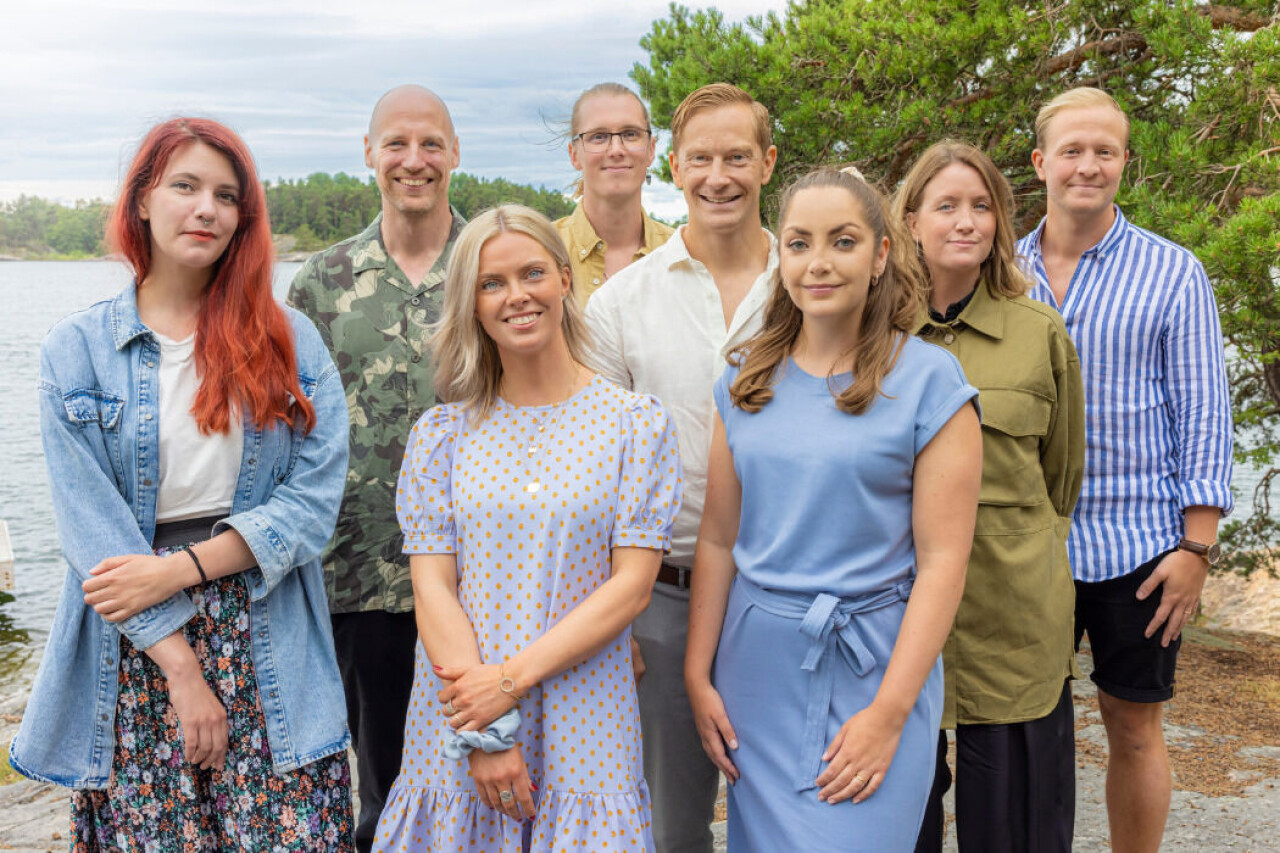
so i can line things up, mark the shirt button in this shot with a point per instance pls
(146, 482)
(106, 717)
(416, 300)
(949, 338)
(148, 417)
(151, 364)
(595, 281)
(416, 358)
(253, 461)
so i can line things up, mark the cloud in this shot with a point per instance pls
(81, 82)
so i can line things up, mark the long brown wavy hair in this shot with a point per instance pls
(887, 317)
(1000, 268)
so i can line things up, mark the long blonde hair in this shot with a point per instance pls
(468, 367)
(1000, 268)
(887, 317)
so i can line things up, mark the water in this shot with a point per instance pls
(33, 296)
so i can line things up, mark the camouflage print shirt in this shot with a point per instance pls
(375, 323)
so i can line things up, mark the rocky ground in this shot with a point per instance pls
(1223, 729)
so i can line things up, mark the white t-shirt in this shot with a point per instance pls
(197, 472)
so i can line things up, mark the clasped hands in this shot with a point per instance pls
(471, 699)
(124, 586)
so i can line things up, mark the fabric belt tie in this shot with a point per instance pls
(826, 620)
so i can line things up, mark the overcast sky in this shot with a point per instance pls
(80, 82)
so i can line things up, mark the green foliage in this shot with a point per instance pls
(471, 195)
(33, 227)
(873, 84)
(317, 210)
(333, 207)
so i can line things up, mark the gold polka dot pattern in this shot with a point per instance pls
(610, 477)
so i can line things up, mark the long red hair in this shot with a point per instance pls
(244, 344)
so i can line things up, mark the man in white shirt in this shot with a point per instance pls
(663, 326)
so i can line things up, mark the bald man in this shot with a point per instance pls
(373, 297)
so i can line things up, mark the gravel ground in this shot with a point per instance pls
(1242, 814)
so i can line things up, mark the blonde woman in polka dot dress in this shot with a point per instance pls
(537, 506)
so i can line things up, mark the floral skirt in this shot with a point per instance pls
(157, 801)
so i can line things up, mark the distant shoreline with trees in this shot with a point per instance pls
(307, 214)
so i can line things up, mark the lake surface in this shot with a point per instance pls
(33, 296)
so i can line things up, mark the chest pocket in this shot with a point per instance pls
(86, 407)
(1013, 423)
(98, 414)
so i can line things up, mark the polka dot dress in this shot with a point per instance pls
(533, 532)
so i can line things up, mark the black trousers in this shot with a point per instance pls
(375, 655)
(1015, 786)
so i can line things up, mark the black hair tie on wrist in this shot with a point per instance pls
(199, 568)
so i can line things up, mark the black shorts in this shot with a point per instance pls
(1126, 664)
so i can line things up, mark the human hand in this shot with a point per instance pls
(471, 696)
(713, 727)
(859, 756)
(497, 772)
(1182, 574)
(201, 719)
(637, 661)
(124, 586)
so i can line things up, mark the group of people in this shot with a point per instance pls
(559, 523)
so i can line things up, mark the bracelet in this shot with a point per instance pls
(199, 568)
(506, 683)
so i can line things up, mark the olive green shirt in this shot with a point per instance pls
(1012, 645)
(375, 323)
(586, 249)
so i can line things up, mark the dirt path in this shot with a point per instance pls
(1223, 730)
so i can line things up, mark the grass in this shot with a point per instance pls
(7, 773)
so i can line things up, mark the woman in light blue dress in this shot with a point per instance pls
(841, 498)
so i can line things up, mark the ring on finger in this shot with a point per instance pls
(506, 796)
(859, 778)
(449, 709)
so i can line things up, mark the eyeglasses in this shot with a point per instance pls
(633, 139)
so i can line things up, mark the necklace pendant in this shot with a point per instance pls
(532, 487)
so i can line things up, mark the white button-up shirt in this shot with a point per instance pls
(658, 328)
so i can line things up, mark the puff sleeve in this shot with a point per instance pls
(650, 484)
(424, 493)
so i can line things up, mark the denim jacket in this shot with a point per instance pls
(99, 420)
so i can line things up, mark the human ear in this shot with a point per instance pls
(1037, 160)
(770, 159)
(674, 163)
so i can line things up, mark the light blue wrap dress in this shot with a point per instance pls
(826, 561)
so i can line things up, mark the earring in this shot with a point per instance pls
(875, 279)
(648, 178)
(919, 248)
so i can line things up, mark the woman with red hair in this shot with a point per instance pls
(195, 434)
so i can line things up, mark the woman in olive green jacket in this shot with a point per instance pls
(1010, 655)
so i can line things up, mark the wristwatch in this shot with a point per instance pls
(1211, 553)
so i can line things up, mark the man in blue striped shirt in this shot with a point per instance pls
(1141, 312)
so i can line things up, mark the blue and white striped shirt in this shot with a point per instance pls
(1141, 312)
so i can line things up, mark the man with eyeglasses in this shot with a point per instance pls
(612, 145)
(663, 327)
